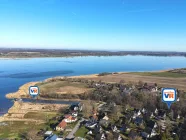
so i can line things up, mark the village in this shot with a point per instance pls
(112, 121)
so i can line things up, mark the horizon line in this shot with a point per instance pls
(103, 50)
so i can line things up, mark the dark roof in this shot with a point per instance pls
(151, 124)
(161, 113)
(148, 114)
(148, 130)
(139, 120)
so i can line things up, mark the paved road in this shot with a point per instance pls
(71, 134)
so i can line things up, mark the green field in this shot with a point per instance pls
(81, 132)
(15, 128)
(52, 87)
(161, 74)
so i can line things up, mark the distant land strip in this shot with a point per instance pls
(34, 53)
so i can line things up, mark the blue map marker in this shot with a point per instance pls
(169, 96)
(34, 91)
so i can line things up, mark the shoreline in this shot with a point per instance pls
(21, 90)
(26, 58)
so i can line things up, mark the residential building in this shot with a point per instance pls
(70, 119)
(61, 126)
(138, 121)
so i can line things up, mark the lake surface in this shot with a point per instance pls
(14, 73)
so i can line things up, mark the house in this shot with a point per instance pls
(74, 107)
(147, 116)
(91, 125)
(156, 111)
(97, 85)
(77, 107)
(152, 115)
(152, 124)
(48, 133)
(106, 118)
(133, 134)
(150, 130)
(61, 126)
(138, 121)
(89, 133)
(114, 128)
(70, 119)
(151, 88)
(143, 111)
(137, 111)
(161, 114)
(53, 137)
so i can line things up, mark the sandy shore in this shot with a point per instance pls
(22, 92)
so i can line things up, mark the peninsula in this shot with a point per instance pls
(127, 94)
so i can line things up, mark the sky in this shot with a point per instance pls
(135, 25)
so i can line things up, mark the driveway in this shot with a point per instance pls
(71, 134)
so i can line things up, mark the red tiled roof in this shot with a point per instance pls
(62, 124)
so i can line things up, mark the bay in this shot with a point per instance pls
(16, 72)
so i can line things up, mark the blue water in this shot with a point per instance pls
(14, 73)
